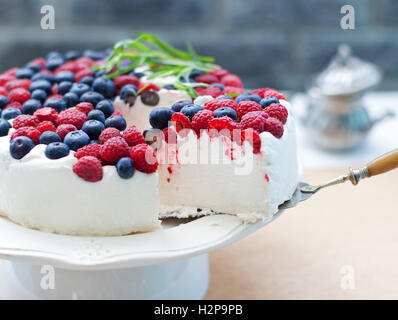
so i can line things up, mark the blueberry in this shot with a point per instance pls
(39, 94)
(71, 99)
(56, 103)
(64, 87)
(56, 150)
(80, 88)
(95, 55)
(72, 55)
(64, 76)
(150, 98)
(98, 73)
(77, 139)
(178, 105)
(226, 111)
(153, 137)
(4, 127)
(93, 128)
(94, 142)
(49, 136)
(10, 113)
(92, 97)
(106, 107)
(169, 87)
(194, 74)
(217, 85)
(225, 97)
(160, 117)
(54, 54)
(54, 63)
(40, 84)
(248, 97)
(117, 122)
(34, 67)
(87, 80)
(104, 86)
(139, 74)
(125, 168)
(129, 93)
(191, 110)
(30, 106)
(3, 101)
(20, 147)
(96, 115)
(24, 73)
(43, 76)
(267, 101)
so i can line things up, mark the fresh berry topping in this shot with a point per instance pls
(207, 78)
(4, 127)
(104, 86)
(93, 128)
(29, 132)
(248, 97)
(80, 88)
(92, 97)
(114, 149)
(160, 117)
(222, 124)
(46, 114)
(208, 91)
(96, 115)
(133, 136)
(233, 90)
(64, 129)
(253, 138)
(201, 120)
(25, 120)
(24, 73)
(125, 168)
(231, 80)
(225, 111)
(72, 116)
(18, 83)
(71, 99)
(129, 93)
(225, 97)
(170, 135)
(49, 136)
(246, 107)
(56, 103)
(56, 150)
(85, 107)
(274, 126)
(77, 139)
(19, 95)
(10, 112)
(255, 120)
(147, 86)
(82, 74)
(93, 150)
(277, 111)
(219, 103)
(117, 113)
(150, 98)
(30, 106)
(219, 73)
(20, 147)
(64, 76)
(5, 78)
(181, 121)
(106, 107)
(268, 92)
(117, 122)
(107, 134)
(144, 158)
(178, 105)
(89, 169)
(191, 110)
(3, 92)
(267, 101)
(46, 126)
(121, 81)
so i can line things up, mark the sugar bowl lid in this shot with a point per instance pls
(346, 74)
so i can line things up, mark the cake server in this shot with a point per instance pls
(382, 164)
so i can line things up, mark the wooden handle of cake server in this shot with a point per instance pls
(384, 163)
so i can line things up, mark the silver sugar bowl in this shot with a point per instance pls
(336, 118)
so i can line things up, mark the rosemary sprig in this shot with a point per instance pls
(162, 59)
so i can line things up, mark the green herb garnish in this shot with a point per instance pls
(165, 61)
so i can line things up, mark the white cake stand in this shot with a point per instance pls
(171, 263)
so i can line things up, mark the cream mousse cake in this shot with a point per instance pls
(106, 143)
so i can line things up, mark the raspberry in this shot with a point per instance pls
(147, 86)
(268, 92)
(89, 169)
(201, 120)
(11, 72)
(40, 62)
(18, 83)
(144, 158)
(133, 136)
(231, 80)
(29, 132)
(15, 104)
(254, 120)
(107, 134)
(46, 114)
(72, 116)
(54, 89)
(46, 126)
(181, 121)
(121, 81)
(25, 120)
(219, 73)
(247, 106)
(274, 126)
(222, 123)
(69, 66)
(214, 104)
(170, 136)
(117, 113)
(19, 95)
(83, 73)
(92, 150)
(85, 107)
(5, 78)
(253, 137)
(233, 90)
(209, 91)
(3, 92)
(207, 78)
(64, 129)
(114, 149)
(277, 111)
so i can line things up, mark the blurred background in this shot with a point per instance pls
(276, 43)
